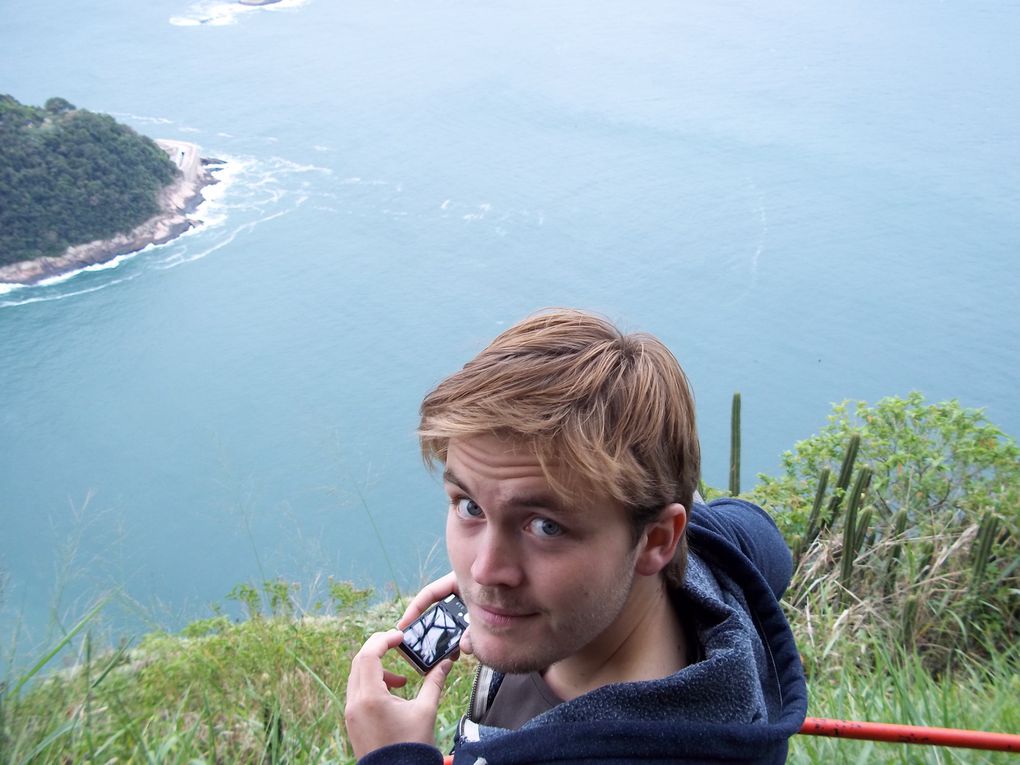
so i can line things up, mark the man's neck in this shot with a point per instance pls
(646, 641)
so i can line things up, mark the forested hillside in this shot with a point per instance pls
(69, 176)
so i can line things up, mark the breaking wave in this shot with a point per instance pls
(216, 13)
(249, 191)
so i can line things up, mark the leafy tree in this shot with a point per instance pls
(58, 105)
(69, 176)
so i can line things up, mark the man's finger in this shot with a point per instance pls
(431, 593)
(393, 680)
(379, 643)
(432, 688)
(366, 666)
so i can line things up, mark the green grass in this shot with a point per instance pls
(891, 685)
(262, 690)
(856, 671)
(906, 609)
(271, 690)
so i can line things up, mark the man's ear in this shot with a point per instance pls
(658, 543)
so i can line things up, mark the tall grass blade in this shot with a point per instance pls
(117, 657)
(321, 683)
(379, 539)
(88, 698)
(59, 646)
(47, 742)
(3, 721)
(107, 744)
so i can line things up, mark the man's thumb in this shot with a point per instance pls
(434, 682)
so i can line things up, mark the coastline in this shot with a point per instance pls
(176, 202)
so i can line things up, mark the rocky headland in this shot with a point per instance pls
(177, 201)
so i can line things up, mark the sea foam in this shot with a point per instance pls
(216, 13)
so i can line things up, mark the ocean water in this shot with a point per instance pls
(807, 203)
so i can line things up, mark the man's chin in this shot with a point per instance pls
(511, 660)
(512, 665)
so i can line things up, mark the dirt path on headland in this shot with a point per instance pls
(184, 155)
(186, 193)
(175, 202)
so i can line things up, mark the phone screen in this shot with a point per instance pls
(435, 634)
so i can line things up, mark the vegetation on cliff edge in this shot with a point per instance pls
(904, 603)
(69, 176)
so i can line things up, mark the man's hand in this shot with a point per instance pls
(433, 593)
(374, 716)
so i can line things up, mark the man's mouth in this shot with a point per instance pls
(497, 616)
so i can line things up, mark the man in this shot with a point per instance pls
(571, 459)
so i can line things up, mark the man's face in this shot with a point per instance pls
(543, 581)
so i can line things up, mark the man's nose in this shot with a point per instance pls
(496, 561)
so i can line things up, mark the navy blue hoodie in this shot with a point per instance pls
(739, 704)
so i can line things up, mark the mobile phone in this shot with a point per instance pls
(435, 634)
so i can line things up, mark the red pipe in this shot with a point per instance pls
(911, 734)
(901, 734)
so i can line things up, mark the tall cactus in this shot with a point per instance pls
(924, 561)
(981, 549)
(735, 446)
(854, 531)
(845, 471)
(811, 529)
(863, 527)
(892, 563)
(909, 617)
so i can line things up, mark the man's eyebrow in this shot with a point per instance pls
(542, 501)
(449, 477)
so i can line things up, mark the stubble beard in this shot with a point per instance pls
(567, 634)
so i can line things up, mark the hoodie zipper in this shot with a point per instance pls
(467, 727)
(474, 692)
(478, 703)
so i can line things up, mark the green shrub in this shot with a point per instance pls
(932, 559)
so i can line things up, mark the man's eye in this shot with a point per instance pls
(543, 527)
(467, 508)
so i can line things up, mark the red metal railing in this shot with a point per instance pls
(901, 734)
(911, 734)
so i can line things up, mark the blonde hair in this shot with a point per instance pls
(613, 410)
